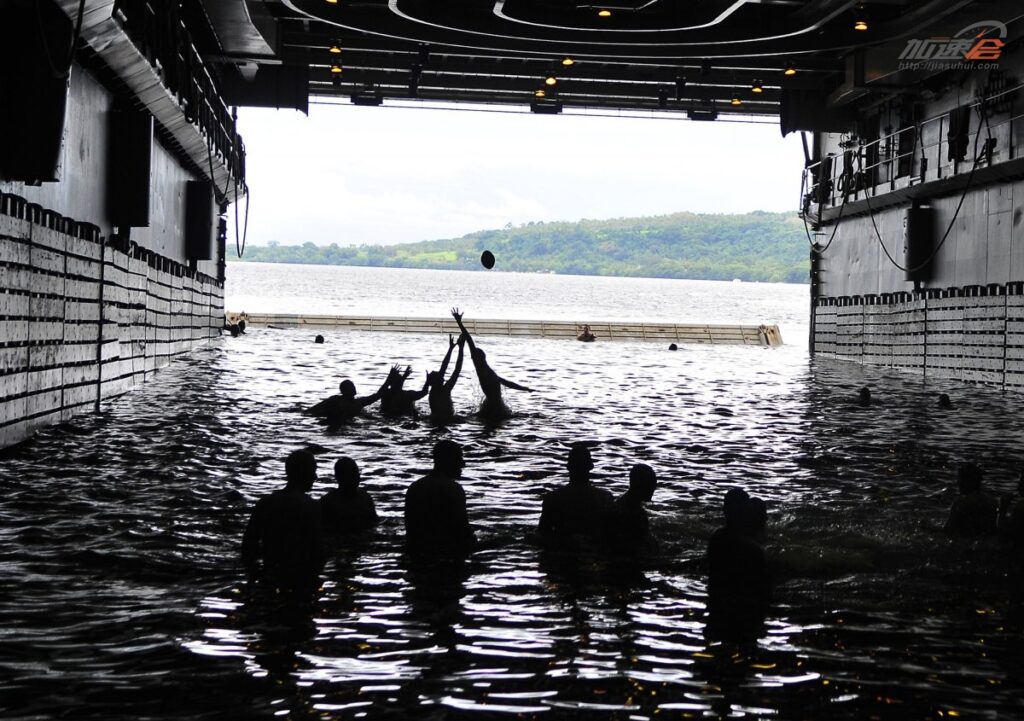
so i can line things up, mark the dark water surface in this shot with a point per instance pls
(122, 596)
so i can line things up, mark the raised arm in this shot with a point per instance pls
(375, 396)
(416, 395)
(450, 383)
(465, 333)
(448, 355)
(513, 385)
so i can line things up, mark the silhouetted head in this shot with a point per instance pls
(642, 481)
(734, 506)
(580, 463)
(864, 396)
(347, 388)
(434, 379)
(944, 401)
(968, 477)
(673, 346)
(448, 458)
(300, 470)
(346, 473)
(318, 339)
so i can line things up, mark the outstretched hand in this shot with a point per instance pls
(456, 315)
(407, 372)
(451, 340)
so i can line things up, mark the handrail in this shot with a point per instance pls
(850, 172)
(156, 28)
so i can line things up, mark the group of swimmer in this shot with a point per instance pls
(285, 540)
(396, 400)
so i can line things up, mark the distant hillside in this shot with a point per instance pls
(753, 246)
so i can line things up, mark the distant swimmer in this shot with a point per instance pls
(440, 395)
(347, 508)
(283, 542)
(435, 505)
(236, 329)
(864, 397)
(578, 508)
(739, 587)
(944, 401)
(319, 338)
(586, 336)
(490, 382)
(395, 400)
(673, 346)
(346, 405)
(974, 513)
(627, 521)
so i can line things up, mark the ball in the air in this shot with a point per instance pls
(487, 259)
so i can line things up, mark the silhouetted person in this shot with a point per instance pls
(235, 329)
(944, 401)
(578, 508)
(283, 542)
(346, 404)
(490, 382)
(1011, 518)
(395, 400)
(673, 346)
(974, 513)
(864, 397)
(319, 339)
(586, 336)
(440, 394)
(739, 588)
(347, 508)
(627, 520)
(435, 505)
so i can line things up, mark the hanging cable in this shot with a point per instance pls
(835, 228)
(240, 249)
(952, 221)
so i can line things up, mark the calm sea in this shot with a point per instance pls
(123, 596)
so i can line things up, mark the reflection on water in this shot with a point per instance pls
(124, 593)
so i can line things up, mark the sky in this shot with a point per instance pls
(378, 175)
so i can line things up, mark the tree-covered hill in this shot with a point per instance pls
(755, 246)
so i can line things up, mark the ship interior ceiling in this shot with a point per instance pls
(121, 163)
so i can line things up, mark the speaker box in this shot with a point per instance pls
(199, 214)
(35, 60)
(130, 166)
(918, 242)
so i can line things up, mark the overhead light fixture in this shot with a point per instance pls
(568, 62)
(546, 107)
(789, 70)
(367, 98)
(335, 49)
(604, 13)
(550, 79)
(702, 115)
(539, 93)
(735, 102)
(860, 19)
(757, 87)
(336, 68)
(331, 2)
